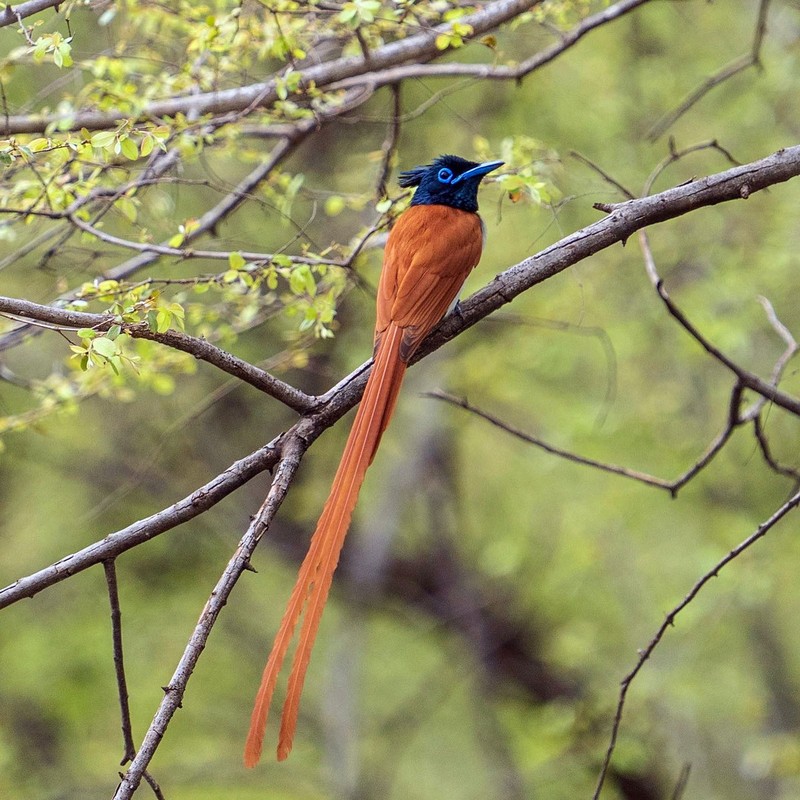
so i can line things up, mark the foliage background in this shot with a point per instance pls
(580, 566)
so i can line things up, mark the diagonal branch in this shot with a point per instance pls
(510, 72)
(669, 621)
(207, 496)
(12, 14)
(623, 220)
(420, 48)
(671, 486)
(292, 450)
(740, 64)
(199, 348)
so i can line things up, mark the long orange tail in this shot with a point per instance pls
(316, 573)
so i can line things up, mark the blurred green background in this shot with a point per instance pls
(484, 658)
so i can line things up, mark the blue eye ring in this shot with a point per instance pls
(444, 175)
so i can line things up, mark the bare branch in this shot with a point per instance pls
(512, 72)
(389, 146)
(129, 749)
(462, 402)
(751, 59)
(650, 480)
(18, 12)
(292, 450)
(746, 378)
(669, 621)
(207, 496)
(625, 219)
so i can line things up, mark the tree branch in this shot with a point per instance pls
(199, 348)
(669, 621)
(16, 13)
(292, 450)
(510, 72)
(623, 220)
(421, 48)
(751, 59)
(207, 496)
(672, 486)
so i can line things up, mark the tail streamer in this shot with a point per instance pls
(316, 573)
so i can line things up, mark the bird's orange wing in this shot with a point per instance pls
(430, 253)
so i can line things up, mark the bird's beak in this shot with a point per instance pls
(479, 171)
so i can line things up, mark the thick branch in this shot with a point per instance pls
(145, 529)
(623, 220)
(16, 13)
(419, 48)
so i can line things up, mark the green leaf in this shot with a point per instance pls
(129, 149)
(103, 139)
(104, 346)
(63, 55)
(236, 261)
(334, 205)
(127, 207)
(163, 320)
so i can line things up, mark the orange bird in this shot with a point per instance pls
(430, 252)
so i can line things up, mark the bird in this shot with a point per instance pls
(432, 248)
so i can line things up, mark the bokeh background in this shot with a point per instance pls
(492, 596)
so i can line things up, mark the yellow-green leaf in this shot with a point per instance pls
(236, 261)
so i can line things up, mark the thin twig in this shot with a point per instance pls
(748, 379)
(676, 155)
(682, 782)
(650, 480)
(750, 59)
(292, 451)
(389, 146)
(669, 621)
(151, 782)
(129, 749)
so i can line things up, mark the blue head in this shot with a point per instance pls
(448, 181)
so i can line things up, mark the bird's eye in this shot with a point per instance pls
(445, 175)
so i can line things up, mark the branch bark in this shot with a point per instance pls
(292, 451)
(199, 348)
(419, 48)
(16, 13)
(623, 220)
